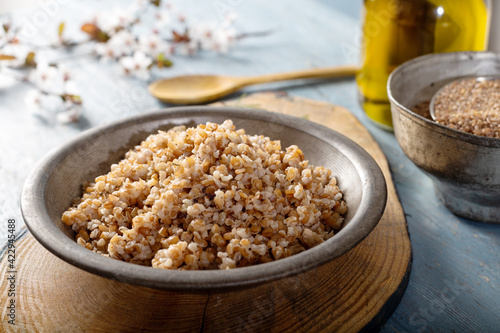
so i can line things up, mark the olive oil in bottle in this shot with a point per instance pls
(395, 31)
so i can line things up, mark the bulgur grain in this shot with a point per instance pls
(470, 106)
(205, 198)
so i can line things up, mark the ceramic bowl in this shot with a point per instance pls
(57, 180)
(464, 167)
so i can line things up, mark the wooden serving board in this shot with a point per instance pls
(356, 292)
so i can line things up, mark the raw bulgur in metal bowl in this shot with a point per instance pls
(463, 166)
(237, 211)
(470, 105)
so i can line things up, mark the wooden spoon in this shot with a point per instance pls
(196, 89)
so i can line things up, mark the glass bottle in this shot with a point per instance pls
(395, 31)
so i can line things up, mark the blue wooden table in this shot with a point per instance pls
(454, 284)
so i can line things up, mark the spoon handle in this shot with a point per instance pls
(329, 72)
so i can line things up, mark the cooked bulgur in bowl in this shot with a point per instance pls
(181, 189)
(207, 197)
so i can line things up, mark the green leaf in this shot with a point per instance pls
(30, 60)
(167, 63)
(161, 61)
(75, 99)
(60, 29)
(102, 36)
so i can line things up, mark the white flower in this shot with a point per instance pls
(140, 3)
(107, 52)
(49, 107)
(121, 44)
(210, 37)
(47, 101)
(162, 19)
(153, 45)
(123, 41)
(45, 106)
(71, 88)
(115, 20)
(229, 19)
(171, 7)
(34, 98)
(223, 40)
(202, 35)
(137, 6)
(48, 78)
(71, 115)
(189, 48)
(136, 65)
(19, 51)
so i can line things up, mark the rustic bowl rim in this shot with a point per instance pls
(369, 213)
(435, 126)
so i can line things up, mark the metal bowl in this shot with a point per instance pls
(56, 181)
(464, 167)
